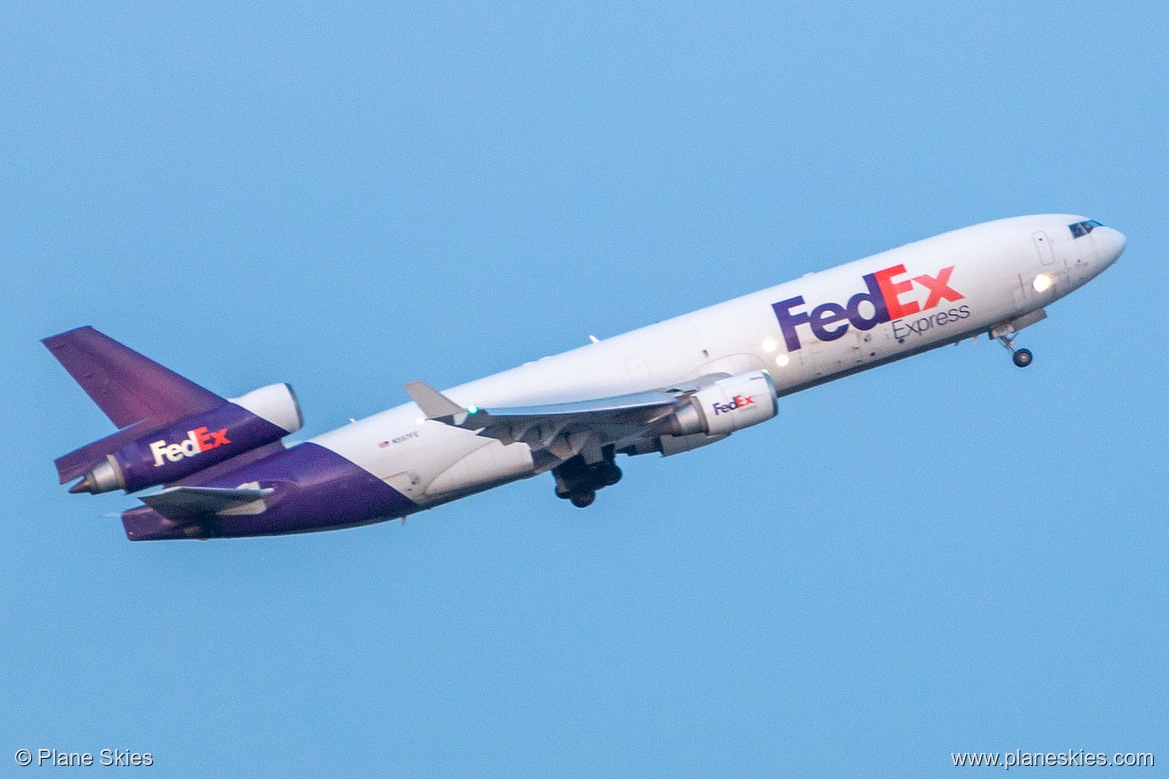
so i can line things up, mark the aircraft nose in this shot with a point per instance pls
(1110, 244)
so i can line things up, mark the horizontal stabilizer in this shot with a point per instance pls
(126, 386)
(187, 503)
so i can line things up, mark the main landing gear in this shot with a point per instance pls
(1021, 357)
(578, 481)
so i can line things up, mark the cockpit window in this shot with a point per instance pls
(1080, 229)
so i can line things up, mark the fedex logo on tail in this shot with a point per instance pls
(738, 401)
(198, 440)
(884, 292)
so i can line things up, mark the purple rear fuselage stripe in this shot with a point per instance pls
(314, 489)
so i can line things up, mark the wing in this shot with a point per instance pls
(562, 429)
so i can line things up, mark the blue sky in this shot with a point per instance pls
(946, 554)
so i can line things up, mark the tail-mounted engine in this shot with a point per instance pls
(198, 441)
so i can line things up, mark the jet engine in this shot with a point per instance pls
(181, 448)
(725, 406)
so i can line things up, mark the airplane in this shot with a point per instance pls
(204, 466)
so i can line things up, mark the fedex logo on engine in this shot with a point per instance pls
(887, 297)
(198, 440)
(738, 401)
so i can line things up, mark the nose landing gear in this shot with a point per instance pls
(1021, 357)
(1006, 332)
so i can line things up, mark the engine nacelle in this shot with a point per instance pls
(276, 403)
(726, 406)
(196, 442)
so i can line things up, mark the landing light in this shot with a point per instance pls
(768, 345)
(1042, 282)
(782, 360)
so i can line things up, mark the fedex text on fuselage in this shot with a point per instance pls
(888, 295)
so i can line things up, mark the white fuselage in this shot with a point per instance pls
(961, 283)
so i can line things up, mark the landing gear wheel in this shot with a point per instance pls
(583, 499)
(607, 473)
(1022, 357)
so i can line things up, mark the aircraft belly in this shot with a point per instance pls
(483, 467)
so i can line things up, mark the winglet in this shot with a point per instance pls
(432, 402)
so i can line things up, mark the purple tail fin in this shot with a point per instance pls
(126, 386)
(129, 388)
